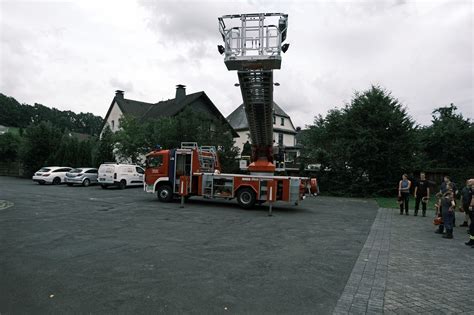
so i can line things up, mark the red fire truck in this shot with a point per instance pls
(199, 168)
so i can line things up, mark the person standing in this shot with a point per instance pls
(404, 193)
(466, 196)
(470, 210)
(447, 210)
(422, 194)
(445, 186)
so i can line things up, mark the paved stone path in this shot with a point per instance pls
(404, 268)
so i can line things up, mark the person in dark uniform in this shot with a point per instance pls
(422, 194)
(466, 196)
(448, 184)
(447, 210)
(470, 209)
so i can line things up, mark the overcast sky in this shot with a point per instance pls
(73, 55)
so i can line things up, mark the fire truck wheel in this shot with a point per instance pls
(246, 197)
(164, 193)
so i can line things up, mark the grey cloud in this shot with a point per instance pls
(420, 50)
(178, 21)
(121, 85)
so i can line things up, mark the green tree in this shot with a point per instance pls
(84, 153)
(247, 149)
(131, 141)
(15, 114)
(9, 147)
(104, 148)
(446, 143)
(163, 132)
(40, 142)
(364, 147)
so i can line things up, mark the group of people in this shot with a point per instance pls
(445, 206)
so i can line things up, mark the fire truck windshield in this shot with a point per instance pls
(154, 161)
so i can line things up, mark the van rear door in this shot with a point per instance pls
(106, 174)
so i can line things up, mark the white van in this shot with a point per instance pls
(121, 175)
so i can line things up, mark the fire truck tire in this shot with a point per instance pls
(246, 197)
(164, 193)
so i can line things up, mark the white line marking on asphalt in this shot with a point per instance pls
(4, 204)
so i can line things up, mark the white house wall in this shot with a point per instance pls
(114, 116)
(288, 140)
(287, 123)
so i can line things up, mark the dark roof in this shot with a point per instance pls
(168, 108)
(238, 120)
(132, 107)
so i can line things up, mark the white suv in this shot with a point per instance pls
(51, 174)
(121, 175)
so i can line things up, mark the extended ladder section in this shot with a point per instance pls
(256, 87)
(253, 46)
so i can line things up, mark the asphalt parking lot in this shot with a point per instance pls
(88, 250)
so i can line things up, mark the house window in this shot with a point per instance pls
(113, 124)
(282, 121)
(274, 119)
(280, 138)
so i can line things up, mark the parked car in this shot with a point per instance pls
(121, 175)
(83, 176)
(51, 174)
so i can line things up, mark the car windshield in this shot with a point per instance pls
(44, 169)
(75, 170)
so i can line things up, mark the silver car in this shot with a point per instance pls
(84, 176)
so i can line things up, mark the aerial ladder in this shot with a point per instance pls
(253, 44)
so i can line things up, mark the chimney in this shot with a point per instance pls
(180, 93)
(119, 94)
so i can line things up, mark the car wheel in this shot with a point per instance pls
(69, 184)
(246, 197)
(56, 181)
(104, 186)
(164, 193)
(122, 184)
(86, 182)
